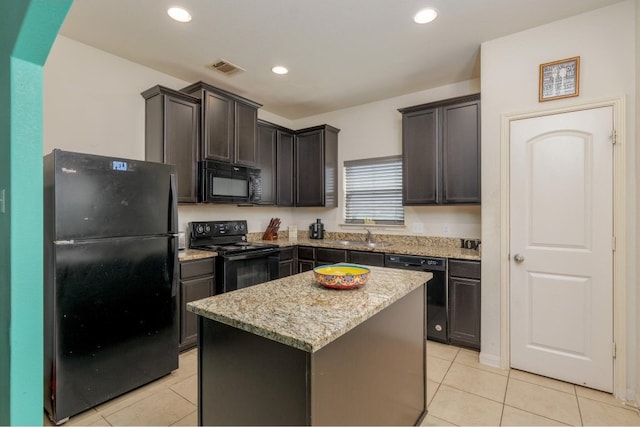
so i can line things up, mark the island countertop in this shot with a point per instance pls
(298, 312)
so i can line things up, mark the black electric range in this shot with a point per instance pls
(239, 263)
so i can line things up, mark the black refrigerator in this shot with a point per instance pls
(110, 278)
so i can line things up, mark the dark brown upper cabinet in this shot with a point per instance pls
(229, 125)
(275, 161)
(267, 161)
(441, 152)
(172, 126)
(284, 174)
(316, 166)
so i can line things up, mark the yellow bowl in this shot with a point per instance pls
(341, 276)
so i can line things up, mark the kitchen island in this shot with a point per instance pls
(290, 352)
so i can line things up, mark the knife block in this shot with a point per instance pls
(270, 235)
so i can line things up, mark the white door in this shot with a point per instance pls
(561, 246)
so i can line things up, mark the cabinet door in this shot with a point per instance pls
(192, 290)
(284, 174)
(309, 168)
(420, 157)
(246, 135)
(267, 163)
(218, 127)
(172, 136)
(286, 268)
(305, 265)
(464, 312)
(181, 145)
(461, 153)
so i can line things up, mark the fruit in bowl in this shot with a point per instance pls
(341, 276)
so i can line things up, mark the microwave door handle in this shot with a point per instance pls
(252, 188)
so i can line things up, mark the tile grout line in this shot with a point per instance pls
(451, 362)
(575, 394)
(534, 413)
(504, 397)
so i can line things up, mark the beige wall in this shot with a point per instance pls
(604, 39)
(92, 101)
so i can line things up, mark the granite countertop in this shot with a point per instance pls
(400, 246)
(298, 312)
(194, 254)
(409, 245)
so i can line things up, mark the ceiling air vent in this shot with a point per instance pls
(226, 67)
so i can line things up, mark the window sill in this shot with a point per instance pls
(379, 226)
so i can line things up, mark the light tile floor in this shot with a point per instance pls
(460, 391)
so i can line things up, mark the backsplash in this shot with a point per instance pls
(427, 241)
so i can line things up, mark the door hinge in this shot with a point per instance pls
(613, 349)
(614, 137)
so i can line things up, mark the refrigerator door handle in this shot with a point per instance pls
(176, 267)
(173, 200)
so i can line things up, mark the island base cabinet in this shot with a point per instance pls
(249, 380)
(374, 374)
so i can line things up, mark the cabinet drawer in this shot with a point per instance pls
(286, 254)
(331, 255)
(197, 268)
(367, 258)
(306, 252)
(470, 269)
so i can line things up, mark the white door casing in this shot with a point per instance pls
(561, 226)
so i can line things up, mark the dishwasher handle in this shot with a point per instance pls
(415, 263)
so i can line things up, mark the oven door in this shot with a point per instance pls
(237, 271)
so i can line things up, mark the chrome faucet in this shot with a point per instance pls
(368, 235)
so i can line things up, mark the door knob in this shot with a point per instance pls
(518, 258)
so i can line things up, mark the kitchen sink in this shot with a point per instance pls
(361, 243)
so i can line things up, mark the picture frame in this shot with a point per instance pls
(559, 79)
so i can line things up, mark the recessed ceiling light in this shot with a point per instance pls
(425, 16)
(279, 69)
(179, 14)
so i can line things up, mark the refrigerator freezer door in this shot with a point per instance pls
(111, 314)
(97, 197)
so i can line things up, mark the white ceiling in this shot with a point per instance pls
(340, 53)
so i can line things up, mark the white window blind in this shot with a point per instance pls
(373, 190)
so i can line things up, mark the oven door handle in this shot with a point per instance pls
(262, 253)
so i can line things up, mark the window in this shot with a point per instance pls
(373, 190)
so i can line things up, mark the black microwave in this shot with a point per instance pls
(225, 183)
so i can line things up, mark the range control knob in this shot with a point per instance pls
(199, 229)
(236, 227)
(207, 228)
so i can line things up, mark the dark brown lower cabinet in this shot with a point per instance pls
(326, 256)
(196, 282)
(366, 258)
(287, 264)
(464, 303)
(306, 258)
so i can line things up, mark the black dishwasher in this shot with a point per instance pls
(436, 322)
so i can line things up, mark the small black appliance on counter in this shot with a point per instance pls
(316, 230)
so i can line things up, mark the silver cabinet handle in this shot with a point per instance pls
(518, 258)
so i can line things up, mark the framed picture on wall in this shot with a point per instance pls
(559, 79)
